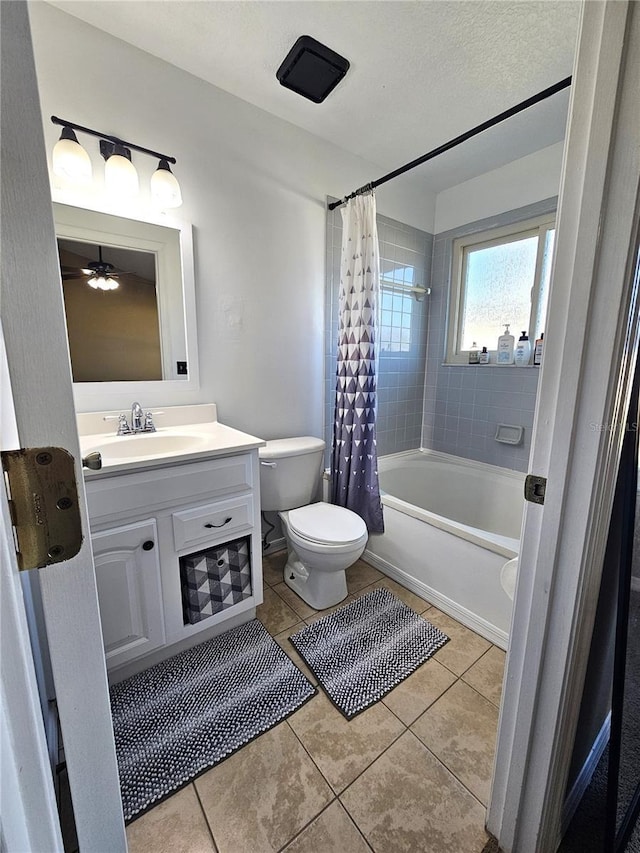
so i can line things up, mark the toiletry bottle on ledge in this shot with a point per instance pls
(506, 344)
(523, 350)
(474, 354)
(484, 356)
(537, 353)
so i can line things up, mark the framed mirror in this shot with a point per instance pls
(129, 299)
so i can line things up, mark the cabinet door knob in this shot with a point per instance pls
(226, 521)
(148, 545)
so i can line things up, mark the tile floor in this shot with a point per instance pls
(411, 773)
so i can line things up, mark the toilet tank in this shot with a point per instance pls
(289, 472)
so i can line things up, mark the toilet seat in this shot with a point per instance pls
(326, 524)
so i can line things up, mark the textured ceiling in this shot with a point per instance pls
(421, 72)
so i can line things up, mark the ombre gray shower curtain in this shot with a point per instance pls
(355, 460)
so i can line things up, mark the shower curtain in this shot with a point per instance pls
(354, 461)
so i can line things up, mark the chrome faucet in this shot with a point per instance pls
(141, 421)
(137, 418)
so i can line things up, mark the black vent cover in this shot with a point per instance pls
(311, 69)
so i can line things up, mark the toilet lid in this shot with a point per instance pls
(322, 522)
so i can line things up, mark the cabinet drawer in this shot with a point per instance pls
(123, 495)
(212, 521)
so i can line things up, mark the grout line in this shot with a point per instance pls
(206, 819)
(308, 824)
(451, 773)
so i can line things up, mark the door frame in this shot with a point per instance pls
(34, 333)
(590, 349)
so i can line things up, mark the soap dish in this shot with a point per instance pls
(507, 434)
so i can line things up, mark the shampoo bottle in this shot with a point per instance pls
(537, 353)
(523, 350)
(506, 344)
(484, 356)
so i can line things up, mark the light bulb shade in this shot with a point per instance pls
(70, 160)
(102, 282)
(120, 175)
(165, 189)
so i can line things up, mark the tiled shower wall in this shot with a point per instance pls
(421, 401)
(464, 404)
(405, 257)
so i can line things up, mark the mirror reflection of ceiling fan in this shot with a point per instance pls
(101, 274)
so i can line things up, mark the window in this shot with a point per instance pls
(499, 276)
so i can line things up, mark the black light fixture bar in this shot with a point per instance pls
(458, 140)
(110, 138)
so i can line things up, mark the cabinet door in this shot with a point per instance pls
(129, 591)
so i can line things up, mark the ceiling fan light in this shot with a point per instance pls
(102, 282)
(165, 189)
(70, 160)
(120, 175)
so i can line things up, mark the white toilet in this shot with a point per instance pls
(322, 539)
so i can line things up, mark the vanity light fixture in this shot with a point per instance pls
(70, 160)
(121, 176)
(165, 189)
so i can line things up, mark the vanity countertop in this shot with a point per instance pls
(183, 434)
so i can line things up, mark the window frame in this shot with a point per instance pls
(487, 238)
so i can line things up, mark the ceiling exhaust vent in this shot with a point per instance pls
(312, 70)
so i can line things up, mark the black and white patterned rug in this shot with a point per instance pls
(182, 716)
(363, 650)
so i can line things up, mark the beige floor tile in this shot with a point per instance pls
(407, 801)
(273, 567)
(331, 832)
(410, 598)
(294, 601)
(261, 797)
(414, 695)
(283, 641)
(175, 826)
(361, 574)
(460, 729)
(464, 646)
(343, 748)
(275, 615)
(486, 674)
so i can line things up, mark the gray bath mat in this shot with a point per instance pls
(363, 650)
(182, 716)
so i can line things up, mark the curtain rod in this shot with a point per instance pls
(518, 108)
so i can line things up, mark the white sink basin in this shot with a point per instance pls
(146, 446)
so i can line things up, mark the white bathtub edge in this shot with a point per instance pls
(487, 630)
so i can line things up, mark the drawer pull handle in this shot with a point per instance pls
(226, 521)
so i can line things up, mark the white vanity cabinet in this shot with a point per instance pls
(142, 523)
(129, 590)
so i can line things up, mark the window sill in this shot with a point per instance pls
(499, 366)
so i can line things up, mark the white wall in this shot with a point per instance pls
(254, 188)
(532, 178)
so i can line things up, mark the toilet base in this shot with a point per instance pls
(316, 588)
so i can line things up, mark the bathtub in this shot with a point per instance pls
(450, 526)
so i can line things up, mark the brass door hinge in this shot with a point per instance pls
(535, 488)
(43, 501)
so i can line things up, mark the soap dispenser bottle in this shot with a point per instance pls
(523, 350)
(506, 344)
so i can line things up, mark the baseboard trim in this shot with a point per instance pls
(572, 801)
(490, 632)
(273, 546)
